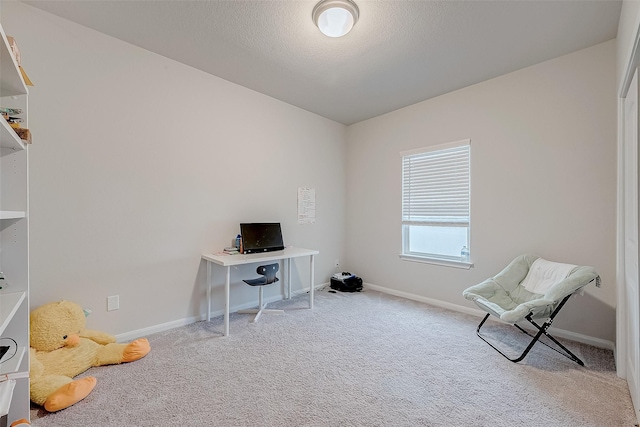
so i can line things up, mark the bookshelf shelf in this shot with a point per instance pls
(12, 214)
(9, 304)
(13, 365)
(8, 138)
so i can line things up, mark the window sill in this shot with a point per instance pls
(437, 261)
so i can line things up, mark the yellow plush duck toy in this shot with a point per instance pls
(62, 348)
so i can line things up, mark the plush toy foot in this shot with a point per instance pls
(69, 394)
(136, 350)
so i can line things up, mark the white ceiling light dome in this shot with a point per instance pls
(335, 18)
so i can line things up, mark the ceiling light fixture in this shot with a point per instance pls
(335, 18)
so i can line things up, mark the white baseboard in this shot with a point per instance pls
(139, 333)
(560, 333)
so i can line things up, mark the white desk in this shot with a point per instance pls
(229, 260)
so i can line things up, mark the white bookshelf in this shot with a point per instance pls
(14, 239)
(12, 214)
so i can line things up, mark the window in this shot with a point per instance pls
(435, 203)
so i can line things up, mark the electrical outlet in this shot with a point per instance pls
(113, 302)
(337, 263)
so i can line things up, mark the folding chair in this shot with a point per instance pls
(530, 288)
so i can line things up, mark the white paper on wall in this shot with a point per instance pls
(306, 205)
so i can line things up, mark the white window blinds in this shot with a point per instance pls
(435, 185)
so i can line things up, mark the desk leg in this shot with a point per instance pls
(208, 291)
(311, 287)
(226, 301)
(288, 261)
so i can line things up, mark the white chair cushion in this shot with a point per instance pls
(544, 274)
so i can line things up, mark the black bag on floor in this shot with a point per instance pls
(348, 284)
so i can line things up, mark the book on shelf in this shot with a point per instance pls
(10, 111)
(16, 54)
(14, 122)
(10, 116)
(24, 134)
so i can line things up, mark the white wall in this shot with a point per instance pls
(134, 173)
(543, 172)
(139, 164)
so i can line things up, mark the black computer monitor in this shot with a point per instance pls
(260, 237)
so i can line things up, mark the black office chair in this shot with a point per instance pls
(268, 273)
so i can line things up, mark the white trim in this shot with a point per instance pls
(621, 314)
(560, 333)
(139, 333)
(444, 146)
(585, 339)
(436, 261)
(162, 327)
(634, 62)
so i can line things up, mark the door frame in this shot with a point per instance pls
(622, 315)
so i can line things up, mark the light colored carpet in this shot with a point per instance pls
(363, 359)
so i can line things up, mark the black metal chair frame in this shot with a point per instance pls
(542, 330)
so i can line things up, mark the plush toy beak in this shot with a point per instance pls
(72, 340)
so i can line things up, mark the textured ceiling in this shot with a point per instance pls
(400, 52)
